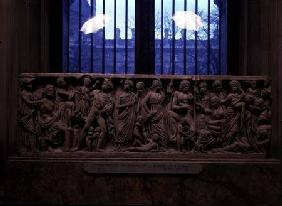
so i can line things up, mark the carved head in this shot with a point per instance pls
(186, 125)
(156, 85)
(184, 86)
(87, 81)
(203, 87)
(26, 83)
(50, 91)
(61, 82)
(140, 86)
(217, 86)
(107, 85)
(235, 86)
(252, 84)
(259, 102)
(266, 83)
(214, 102)
(128, 85)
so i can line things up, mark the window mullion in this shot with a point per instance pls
(145, 36)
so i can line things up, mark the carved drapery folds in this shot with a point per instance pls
(139, 113)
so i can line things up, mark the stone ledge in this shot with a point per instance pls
(162, 156)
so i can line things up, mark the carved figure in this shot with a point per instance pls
(140, 132)
(186, 137)
(235, 112)
(212, 135)
(64, 101)
(181, 111)
(52, 131)
(182, 103)
(203, 95)
(26, 116)
(252, 89)
(100, 114)
(155, 111)
(82, 97)
(92, 113)
(125, 114)
(92, 138)
(217, 90)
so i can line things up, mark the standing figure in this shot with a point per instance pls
(203, 96)
(139, 132)
(153, 105)
(201, 104)
(82, 98)
(26, 116)
(125, 114)
(181, 112)
(254, 106)
(182, 103)
(236, 110)
(63, 101)
(100, 114)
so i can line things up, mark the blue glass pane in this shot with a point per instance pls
(131, 36)
(120, 35)
(158, 36)
(109, 34)
(167, 45)
(190, 44)
(85, 40)
(74, 30)
(203, 38)
(179, 42)
(214, 63)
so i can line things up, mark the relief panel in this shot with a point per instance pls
(140, 113)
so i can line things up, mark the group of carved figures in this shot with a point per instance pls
(143, 115)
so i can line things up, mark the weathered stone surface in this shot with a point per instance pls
(142, 113)
(219, 183)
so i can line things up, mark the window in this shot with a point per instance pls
(111, 48)
(124, 44)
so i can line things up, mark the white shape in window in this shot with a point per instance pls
(187, 20)
(95, 23)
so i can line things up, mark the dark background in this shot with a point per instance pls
(30, 42)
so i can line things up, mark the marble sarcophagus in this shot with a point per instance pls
(146, 114)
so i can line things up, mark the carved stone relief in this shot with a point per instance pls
(94, 113)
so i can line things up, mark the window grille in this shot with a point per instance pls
(112, 48)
